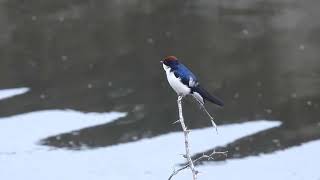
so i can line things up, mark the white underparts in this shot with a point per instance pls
(175, 82)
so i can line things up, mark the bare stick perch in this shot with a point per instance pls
(190, 162)
(186, 139)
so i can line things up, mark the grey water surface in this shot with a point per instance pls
(262, 57)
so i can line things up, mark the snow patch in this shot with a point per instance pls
(146, 159)
(7, 93)
(20, 133)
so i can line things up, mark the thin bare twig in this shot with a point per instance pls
(204, 156)
(211, 118)
(175, 172)
(210, 156)
(186, 139)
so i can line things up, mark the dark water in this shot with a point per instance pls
(262, 57)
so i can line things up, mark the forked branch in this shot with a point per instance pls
(190, 162)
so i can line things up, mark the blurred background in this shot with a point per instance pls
(262, 57)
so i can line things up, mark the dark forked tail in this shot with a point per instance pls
(208, 96)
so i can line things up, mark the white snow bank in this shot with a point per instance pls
(148, 159)
(20, 133)
(297, 163)
(7, 93)
(22, 158)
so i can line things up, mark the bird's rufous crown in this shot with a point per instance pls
(170, 58)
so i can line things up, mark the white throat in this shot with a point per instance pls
(166, 68)
(175, 82)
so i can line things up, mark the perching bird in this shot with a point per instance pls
(184, 82)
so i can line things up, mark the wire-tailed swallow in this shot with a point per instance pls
(184, 82)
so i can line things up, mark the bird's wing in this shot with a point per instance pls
(186, 76)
